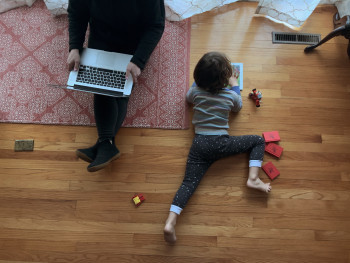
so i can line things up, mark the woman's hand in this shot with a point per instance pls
(73, 60)
(134, 70)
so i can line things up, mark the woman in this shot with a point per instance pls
(132, 27)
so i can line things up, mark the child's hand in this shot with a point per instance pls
(233, 80)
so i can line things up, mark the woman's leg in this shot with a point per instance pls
(106, 115)
(109, 115)
(122, 110)
(87, 154)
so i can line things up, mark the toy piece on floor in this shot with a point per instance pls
(270, 170)
(138, 199)
(274, 149)
(256, 96)
(271, 136)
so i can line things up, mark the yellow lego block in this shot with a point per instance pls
(136, 200)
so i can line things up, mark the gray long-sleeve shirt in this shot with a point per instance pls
(211, 111)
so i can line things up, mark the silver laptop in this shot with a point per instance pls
(101, 72)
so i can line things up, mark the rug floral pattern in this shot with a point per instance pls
(33, 53)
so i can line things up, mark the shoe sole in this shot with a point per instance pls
(83, 156)
(103, 165)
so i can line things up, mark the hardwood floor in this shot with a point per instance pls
(53, 210)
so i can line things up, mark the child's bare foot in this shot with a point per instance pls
(169, 233)
(259, 185)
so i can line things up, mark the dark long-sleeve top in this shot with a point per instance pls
(125, 26)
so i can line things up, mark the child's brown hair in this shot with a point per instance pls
(212, 72)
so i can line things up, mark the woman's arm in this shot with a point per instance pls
(154, 23)
(78, 17)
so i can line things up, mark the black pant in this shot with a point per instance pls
(109, 111)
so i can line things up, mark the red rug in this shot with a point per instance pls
(33, 53)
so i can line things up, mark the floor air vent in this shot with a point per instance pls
(295, 38)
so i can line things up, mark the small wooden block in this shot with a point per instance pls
(271, 136)
(24, 145)
(274, 149)
(270, 170)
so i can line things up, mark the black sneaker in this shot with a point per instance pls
(87, 154)
(106, 153)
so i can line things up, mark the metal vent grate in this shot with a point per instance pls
(295, 38)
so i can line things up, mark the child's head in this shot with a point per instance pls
(212, 72)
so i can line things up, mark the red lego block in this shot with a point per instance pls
(272, 136)
(274, 149)
(138, 199)
(270, 170)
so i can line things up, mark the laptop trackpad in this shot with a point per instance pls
(105, 60)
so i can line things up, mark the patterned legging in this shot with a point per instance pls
(205, 150)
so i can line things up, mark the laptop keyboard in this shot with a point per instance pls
(101, 77)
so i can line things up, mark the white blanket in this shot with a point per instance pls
(6, 5)
(291, 13)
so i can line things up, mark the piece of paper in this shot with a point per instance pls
(237, 69)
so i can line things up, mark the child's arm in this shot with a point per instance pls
(236, 89)
(237, 102)
(234, 86)
(189, 95)
(237, 99)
